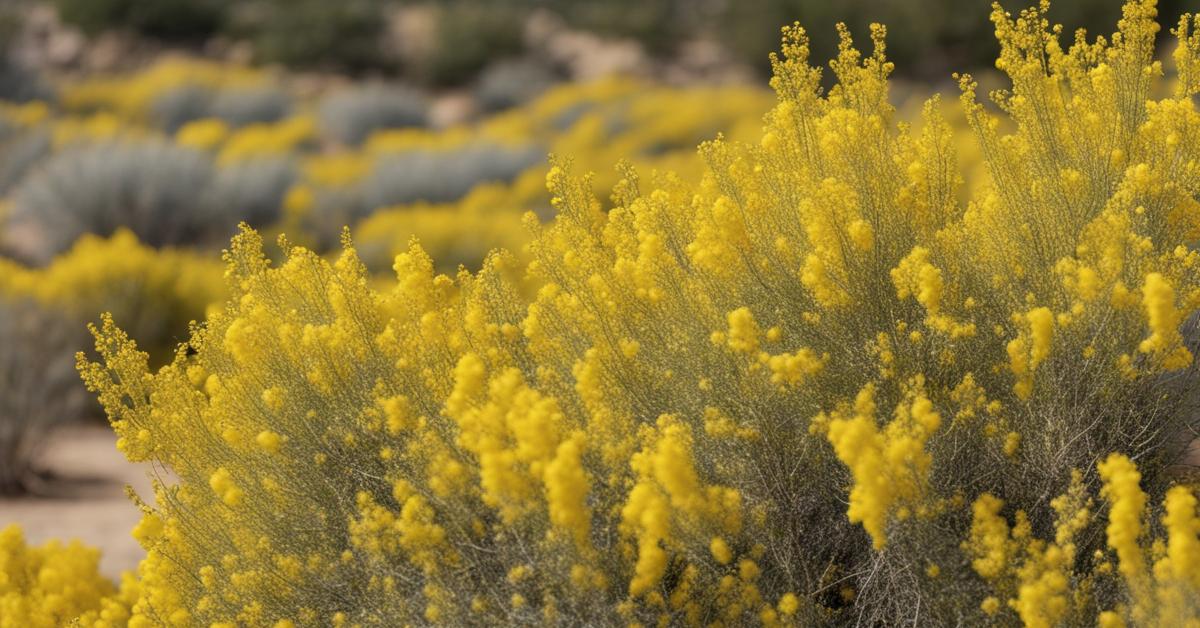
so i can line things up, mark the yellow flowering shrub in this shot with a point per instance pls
(267, 139)
(152, 293)
(204, 134)
(818, 385)
(653, 127)
(133, 96)
(27, 114)
(54, 584)
(452, 233)
(100, 126)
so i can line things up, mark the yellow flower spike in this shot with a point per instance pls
(916, 277)
(1012, 441)
(720, 550)
(269, 441)
(743, 331)
(788, 604)
(1164, 319)
(889, 468)
(862, 234)
(1183, 526)
(1127, 509)
(567, 487)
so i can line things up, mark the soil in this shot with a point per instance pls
(83, 497)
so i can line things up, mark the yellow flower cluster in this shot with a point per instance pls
(54, 584)
(1033, 576)
(890, 468)
(1164, 318)
(204, 134)
(1168, 592)
(25, 115)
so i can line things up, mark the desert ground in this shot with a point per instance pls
(84, 497)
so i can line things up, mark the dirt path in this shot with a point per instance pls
(86, 500)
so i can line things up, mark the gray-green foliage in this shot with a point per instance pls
(20, 151)
(333, 209)
(234, 106)
(443, 176)
(38, 386)
(351, 115)
(432, 176)
(21, 84)
(176, 107)
(511, 83)
(250, 105)
(253, 190)
(158, 190)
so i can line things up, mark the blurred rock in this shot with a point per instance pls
(452, 108)
(705, 60)
(44, 41)
(586, 56)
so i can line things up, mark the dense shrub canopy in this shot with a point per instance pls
(668, 431)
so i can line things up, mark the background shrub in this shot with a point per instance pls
(234, 106)
(507, 84)
(350, 115)
(176, 107)
(252, 190)
(154, 293)
(151, 187)
(439, 176)
(250, 105)
(20, 84)
(162, 192)
(455, 234)
(660, 26)
(38, 389)
(56, 583)
(469, 36)
(20, 150)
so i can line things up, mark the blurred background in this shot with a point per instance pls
(135, 135)
(457, 43)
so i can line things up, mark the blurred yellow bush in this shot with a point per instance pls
(154, 293)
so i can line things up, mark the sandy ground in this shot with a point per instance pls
(86, 499)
